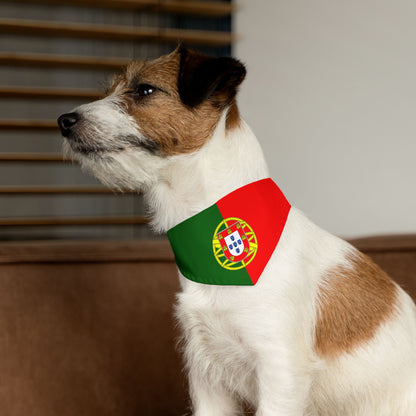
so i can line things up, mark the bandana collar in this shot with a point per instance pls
(231, 242)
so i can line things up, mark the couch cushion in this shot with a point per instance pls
(86, 328)
(396, 254)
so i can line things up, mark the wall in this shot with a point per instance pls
(331, 95)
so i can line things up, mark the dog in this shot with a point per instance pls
(324, 331)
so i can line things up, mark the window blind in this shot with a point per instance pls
(55, 55)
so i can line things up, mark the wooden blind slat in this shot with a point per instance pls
(61, 61)
(193, 7)
(76, 30)
(28, 125)
(60, 190)
(65, 221)
(49, 93)
(203, 8)
(32, 157)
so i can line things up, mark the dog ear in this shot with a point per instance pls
(202, 77)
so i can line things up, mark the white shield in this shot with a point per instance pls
(234, 243)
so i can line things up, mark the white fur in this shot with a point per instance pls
(256, 344)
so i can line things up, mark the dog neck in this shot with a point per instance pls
(190, 183)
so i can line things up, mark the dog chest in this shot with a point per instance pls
(214, 347)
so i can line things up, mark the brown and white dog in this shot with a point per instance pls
(325, 331)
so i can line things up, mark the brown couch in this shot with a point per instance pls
(86, 328)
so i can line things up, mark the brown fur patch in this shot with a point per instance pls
(354, 301)
(233, 116)
(163, 119)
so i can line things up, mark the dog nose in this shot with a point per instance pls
(66, 122)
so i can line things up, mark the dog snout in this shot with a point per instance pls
(67, 122)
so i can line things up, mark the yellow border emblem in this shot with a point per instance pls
(218, 252)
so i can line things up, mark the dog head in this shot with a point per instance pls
(154, 110)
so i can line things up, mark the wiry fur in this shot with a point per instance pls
(256, 344)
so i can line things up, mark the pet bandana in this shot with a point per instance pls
(231, 242)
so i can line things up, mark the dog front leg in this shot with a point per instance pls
(210, 400)
(283, 386)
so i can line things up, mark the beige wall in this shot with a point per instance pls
(331, 95)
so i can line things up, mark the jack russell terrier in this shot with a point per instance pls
(275, 312)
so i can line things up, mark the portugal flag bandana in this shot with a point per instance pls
(231, 242)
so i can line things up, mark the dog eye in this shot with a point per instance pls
(144, 90)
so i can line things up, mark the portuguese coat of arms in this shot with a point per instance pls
(234, 242)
